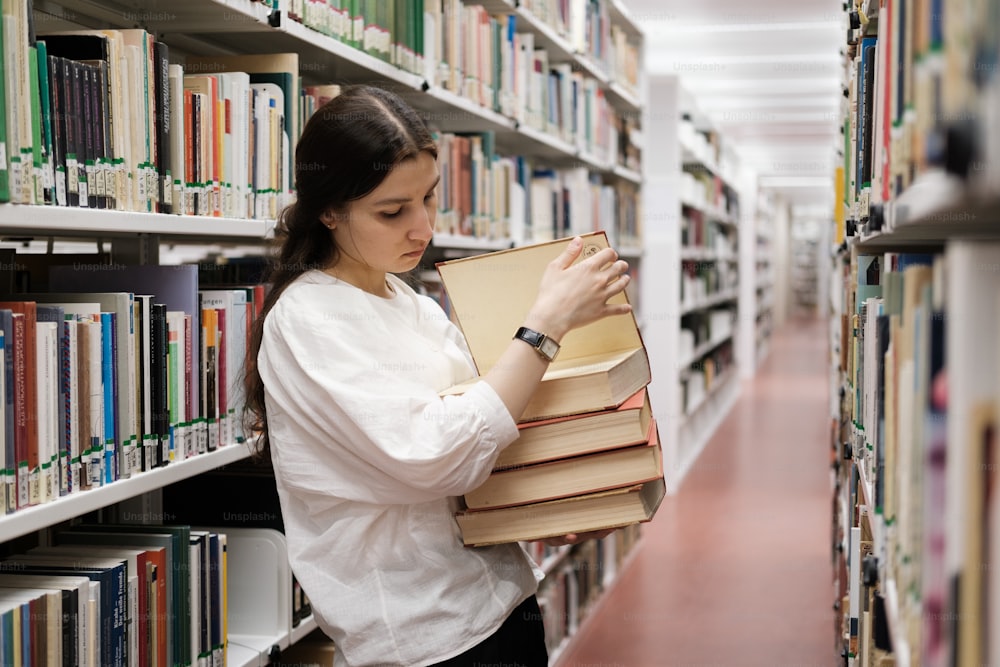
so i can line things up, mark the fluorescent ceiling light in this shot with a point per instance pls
(795, 182)
(801, 86)
(653, 23)
(682, 59)
(756, 116)
(709, 102)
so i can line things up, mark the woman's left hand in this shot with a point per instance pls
(576, 538)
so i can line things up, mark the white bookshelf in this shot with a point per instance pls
(667, 199)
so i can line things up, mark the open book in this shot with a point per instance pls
(599, 366)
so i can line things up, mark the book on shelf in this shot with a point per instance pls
(577, 514)
(572, 475)
(599, 366)
(549, 439)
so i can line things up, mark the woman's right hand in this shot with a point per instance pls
(573, 295)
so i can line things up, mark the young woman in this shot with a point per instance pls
(342, 383)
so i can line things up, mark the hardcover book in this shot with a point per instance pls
(599, 365)
(551, 439)
(574, 475)
(578, 514)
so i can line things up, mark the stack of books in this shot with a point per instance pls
(588, 456)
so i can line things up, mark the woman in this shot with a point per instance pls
(343, 378)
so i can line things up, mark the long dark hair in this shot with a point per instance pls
(347, 148)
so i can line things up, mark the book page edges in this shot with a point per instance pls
(513, 524)
(607, 424)
(496, 483)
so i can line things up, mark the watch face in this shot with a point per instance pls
(549, 347)
(529, 336)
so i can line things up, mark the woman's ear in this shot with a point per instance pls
(329, 219)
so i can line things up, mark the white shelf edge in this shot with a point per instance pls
(468, 106)
(547, 139)
(708, 302)
(721, 381)
(716, 214)
(689, 253)
(249, 650)
(547, 32)
(592, 68)
(32, 519)
(358, 57)
(305, 626)
(702, 349)
(73, 220)
(630, 251)
(627, 174)
(623, 94)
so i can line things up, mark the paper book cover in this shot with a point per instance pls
(599, 365)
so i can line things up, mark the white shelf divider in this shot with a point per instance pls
(37, 517)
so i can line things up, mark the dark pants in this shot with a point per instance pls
(519, 642)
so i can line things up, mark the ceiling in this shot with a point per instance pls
(767, 75)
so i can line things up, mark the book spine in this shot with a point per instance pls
(109, 465)
(163, 125)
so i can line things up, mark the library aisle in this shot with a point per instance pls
(735, 570)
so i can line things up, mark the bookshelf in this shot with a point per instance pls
(694, 226)
(915, 530)
(760, 254)
(610, 155)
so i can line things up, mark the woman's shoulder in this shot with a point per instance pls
(315, 292)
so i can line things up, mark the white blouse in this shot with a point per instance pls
(369, 461)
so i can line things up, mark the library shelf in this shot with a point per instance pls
(709, 301)
(721, 381)
(968, 216)
(629, 251)
(255, 650)
(707, 254)
(713, 213)
(703, 349)
(593, 609)
(627, 174)
(552, 561)
(623, 98)
(37, 517)
(697, 426)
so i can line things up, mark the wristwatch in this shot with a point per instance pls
(545, 346)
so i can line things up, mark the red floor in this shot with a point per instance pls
(735, 569)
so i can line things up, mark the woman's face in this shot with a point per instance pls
(388, 230)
